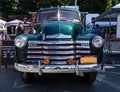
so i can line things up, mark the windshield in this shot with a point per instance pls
(58, 15)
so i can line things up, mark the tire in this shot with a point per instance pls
(89, 77)
(27, 77)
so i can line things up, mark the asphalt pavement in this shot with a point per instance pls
(108, 80)
(111, 58)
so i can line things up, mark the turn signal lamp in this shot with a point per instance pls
(46, 61)
(70, 61)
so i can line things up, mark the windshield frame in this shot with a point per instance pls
(43, 17)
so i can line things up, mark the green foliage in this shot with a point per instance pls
(113, 30)
(96, 6)
(20, 7)
(7, 7)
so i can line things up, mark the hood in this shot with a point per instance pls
(60, 30)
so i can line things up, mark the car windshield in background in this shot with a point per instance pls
(58, 15)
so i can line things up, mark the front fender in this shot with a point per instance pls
(21, 53)
(93, 51)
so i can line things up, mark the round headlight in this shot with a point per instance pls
(20, 42)
(97, 41)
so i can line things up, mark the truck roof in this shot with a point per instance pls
(62, 8)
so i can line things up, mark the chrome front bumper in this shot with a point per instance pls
(37, 68)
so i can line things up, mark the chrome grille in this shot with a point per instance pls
(56, 50)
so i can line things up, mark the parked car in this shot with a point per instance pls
(58, 46)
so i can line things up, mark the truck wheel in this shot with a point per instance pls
(27, 77)
(89, 77)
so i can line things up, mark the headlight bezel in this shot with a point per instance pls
(20, 41)
(97, 42)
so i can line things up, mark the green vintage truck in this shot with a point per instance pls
(59, 45)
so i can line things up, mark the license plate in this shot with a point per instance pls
(88, 60)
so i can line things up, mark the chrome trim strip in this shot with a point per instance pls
(51, 47)
(83, 47)
(58, 52)
(83, 42)
(83, 51)
(35, 47)
(32, 44)
(50, 57)
(58, 42)
(58, 36)
(51, 52)
(34, 56)
(58, 47)
(33, 52)
(79, 44)
(8, 46)
(52, 42)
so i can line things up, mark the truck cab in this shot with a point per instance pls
(59, 45)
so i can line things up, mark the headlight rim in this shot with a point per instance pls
(24, 40)
(95, 38)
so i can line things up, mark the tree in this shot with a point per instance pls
(20, 7)
(25, 6)
(7, 7)
(96, 6)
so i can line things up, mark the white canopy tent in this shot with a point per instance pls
(101, 23)
(13, 22)
(110, 14)
(16, 21)
(2, 22)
